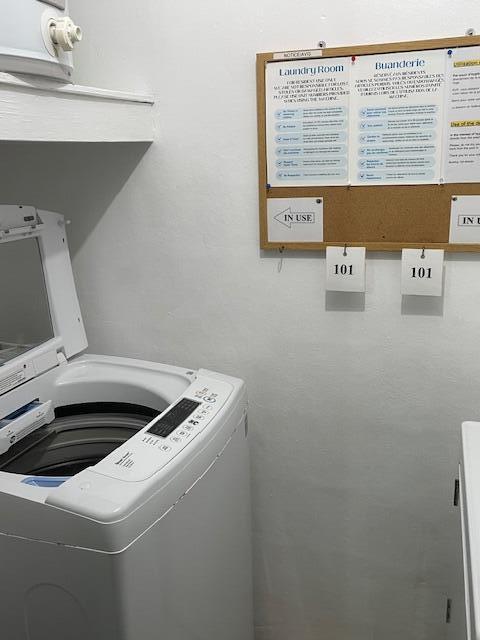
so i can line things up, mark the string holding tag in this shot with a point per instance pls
(280, 262)
(422, 256)
(345, 250)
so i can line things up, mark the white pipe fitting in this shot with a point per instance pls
(64, 33)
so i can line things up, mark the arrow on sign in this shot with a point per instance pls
(287, 217)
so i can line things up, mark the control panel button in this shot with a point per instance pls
(165, 447)
(175, 439)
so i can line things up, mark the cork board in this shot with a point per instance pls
(383, 218)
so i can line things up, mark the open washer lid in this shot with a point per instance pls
(40, 320)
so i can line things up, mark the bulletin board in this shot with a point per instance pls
(385, 217)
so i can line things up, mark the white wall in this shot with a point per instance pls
(355, 412)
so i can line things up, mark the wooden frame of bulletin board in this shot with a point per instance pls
(382, 218)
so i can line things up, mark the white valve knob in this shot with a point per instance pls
(64, 33)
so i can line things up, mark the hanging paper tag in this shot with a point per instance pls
(345, 269)
(422, 272)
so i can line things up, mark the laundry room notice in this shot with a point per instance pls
(376, 119)
(367, 145)
(307, 122)
(396, 112)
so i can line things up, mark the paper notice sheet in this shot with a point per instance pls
(396, 118)
(462, 132)
(307, 122)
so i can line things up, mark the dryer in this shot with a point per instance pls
(124, 484)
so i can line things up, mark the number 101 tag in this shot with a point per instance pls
(422, 272)
(345, 269)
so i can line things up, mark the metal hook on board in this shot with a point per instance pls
(423, 253)
(345, 250)
(280, 262)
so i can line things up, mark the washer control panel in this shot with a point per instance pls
(174, 417)
(169, 433)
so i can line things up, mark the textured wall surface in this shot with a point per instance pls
(356, 403)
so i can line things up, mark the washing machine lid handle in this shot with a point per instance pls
(41, 323)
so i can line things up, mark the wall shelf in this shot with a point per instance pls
(39, 110)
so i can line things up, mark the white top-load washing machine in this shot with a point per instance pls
(124, 484)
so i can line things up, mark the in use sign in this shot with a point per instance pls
(465, 220)
(295, 219)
